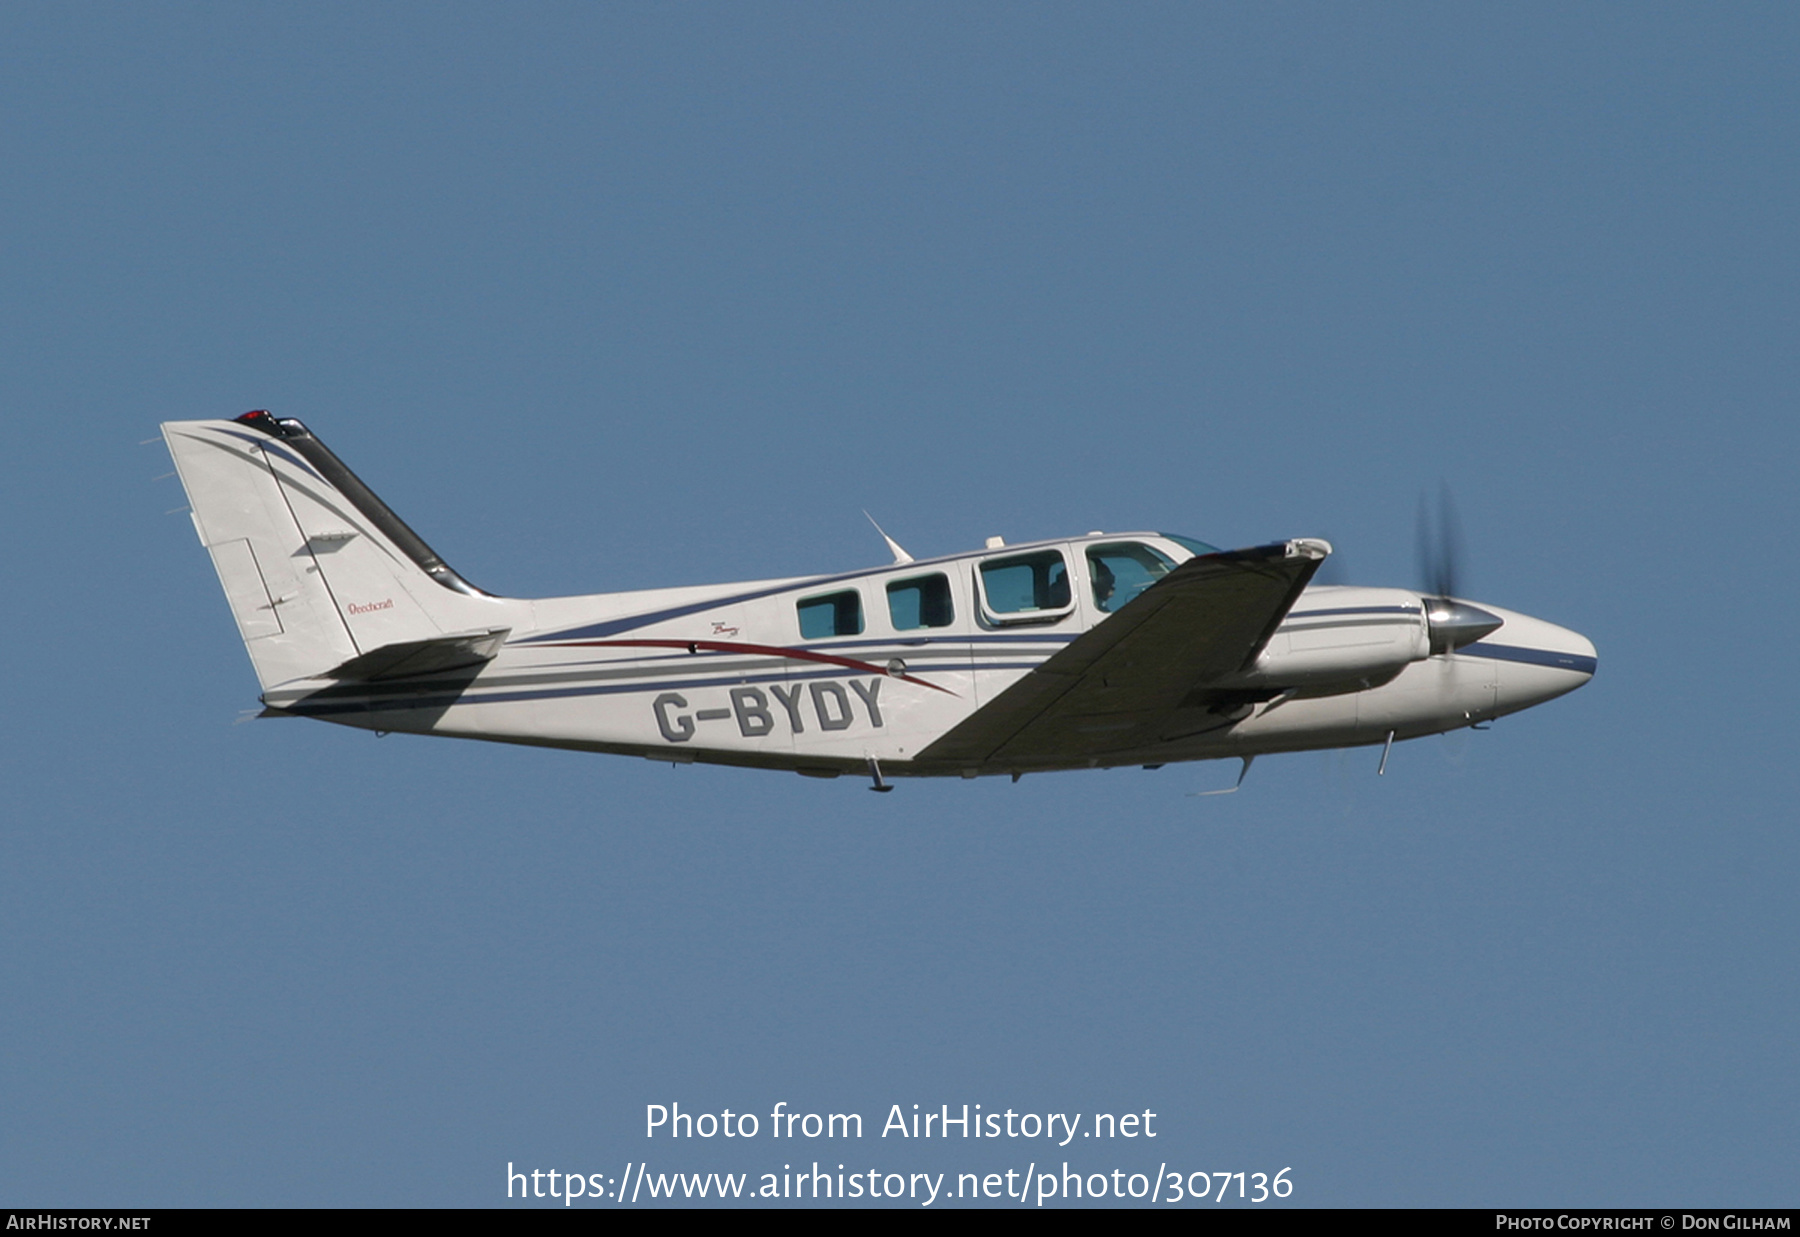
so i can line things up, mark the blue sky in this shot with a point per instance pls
(629, 296)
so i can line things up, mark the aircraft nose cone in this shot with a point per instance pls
(1534, 661)
(1581, 657)
(1568, 652)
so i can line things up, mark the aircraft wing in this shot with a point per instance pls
(1139, 677)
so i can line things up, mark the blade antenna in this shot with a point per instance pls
(900, 555)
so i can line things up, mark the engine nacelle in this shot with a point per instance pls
(1347, 638)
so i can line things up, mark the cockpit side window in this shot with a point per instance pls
(1120, 572)
(1026, 583)
(835, 614)
(1189, 543)
(921, 602)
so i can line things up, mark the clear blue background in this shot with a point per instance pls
(627, 296)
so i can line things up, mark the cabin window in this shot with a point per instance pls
(835, 614)
(1026, 583)
(1120, 572)
(924, 602)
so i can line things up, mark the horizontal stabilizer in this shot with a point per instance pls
(415, 657)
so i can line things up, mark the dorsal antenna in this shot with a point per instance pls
(900, 555)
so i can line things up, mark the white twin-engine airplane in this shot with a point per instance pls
(1087, 652)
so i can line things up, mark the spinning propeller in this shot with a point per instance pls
(1452, 623)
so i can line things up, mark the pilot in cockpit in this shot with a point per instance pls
(1103, 582)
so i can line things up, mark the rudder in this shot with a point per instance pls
(319, 572)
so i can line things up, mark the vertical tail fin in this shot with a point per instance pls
(320, 573)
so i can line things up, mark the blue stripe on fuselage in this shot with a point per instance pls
(1535, 657)
(311, 706)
